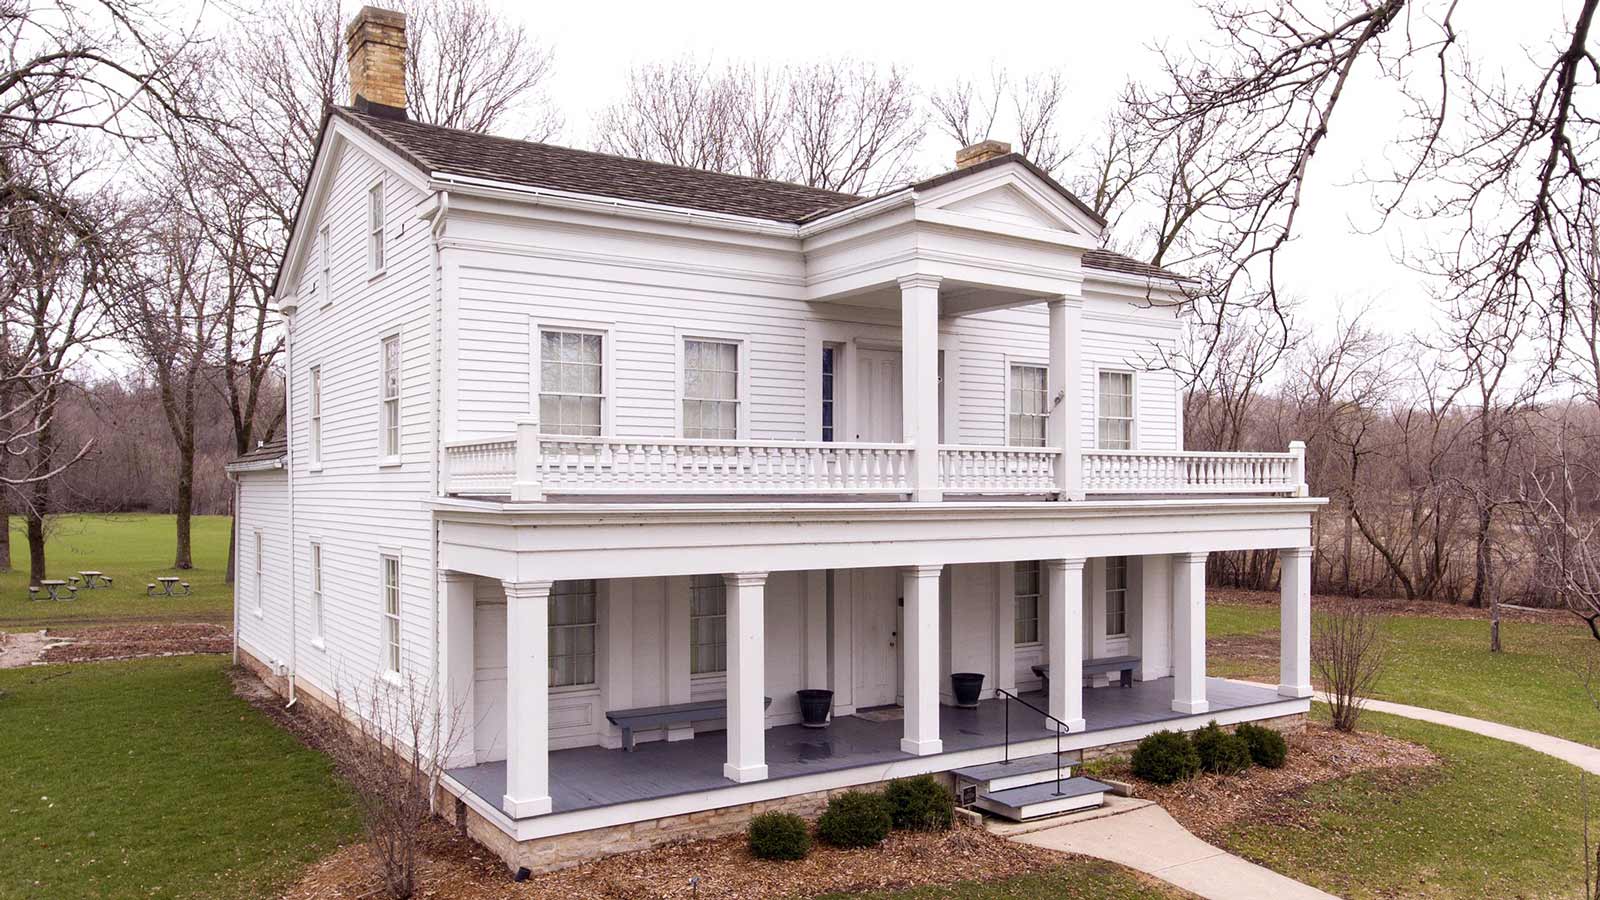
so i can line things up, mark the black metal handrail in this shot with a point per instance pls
(1059, 729)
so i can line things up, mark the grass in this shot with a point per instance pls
(1494, 820)
(133, 550)
(1537, 682)
(1079, 879)
(150, 778)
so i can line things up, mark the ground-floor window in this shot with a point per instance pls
(572, 633)
(391, 611)
(1116, 596)
(708, 624)
(1026, 584)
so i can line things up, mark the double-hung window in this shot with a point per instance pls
(316, 590)
(710, 390)
(571, 383)
(1026, 585)
(316, 417)
(708, 624)
(391, 612)
(1116, 411)
(325, 283)
(1030, 410)
(375, 218)
(1116, 596)
(256, 562)
(389, 438)
(572, 633)
(830, 410)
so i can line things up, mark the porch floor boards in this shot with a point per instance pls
(590, 777)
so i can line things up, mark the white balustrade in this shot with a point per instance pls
(997, 470)
(481, 468)
(1190, 472)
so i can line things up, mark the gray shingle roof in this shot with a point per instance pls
(262, 456)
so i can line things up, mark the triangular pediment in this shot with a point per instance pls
(1009, 194)
(1009, 205)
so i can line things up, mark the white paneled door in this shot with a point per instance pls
(876, 639)
(877, 416)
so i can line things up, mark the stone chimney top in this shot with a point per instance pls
(982, 151)
(375, 48)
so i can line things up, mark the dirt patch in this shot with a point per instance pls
(22, 648)
(1209, 805)
(1400, 607)
(724, 868)
(1254, 649)
(133, 642)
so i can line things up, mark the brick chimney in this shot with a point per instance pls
(375, 48)
(982, 151)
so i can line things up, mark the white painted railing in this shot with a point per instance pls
(1194, 472)
(480, 468)
(997, 470)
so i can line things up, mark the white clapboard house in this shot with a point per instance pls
(615, 452)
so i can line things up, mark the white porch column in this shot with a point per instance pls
(1064, 584)
(747, 669)
(919, 378)
(1065, 426)
(457, 606)
(919, 585)
(1189, 633)
(1294, 627)
(1005, 627)
(527, 698)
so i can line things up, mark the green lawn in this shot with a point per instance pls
(150, 778)
(133, 550)
(1536, 682)
(1078, 879)
(1494, 820)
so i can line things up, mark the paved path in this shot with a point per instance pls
(1146, 838)
(1581, 755)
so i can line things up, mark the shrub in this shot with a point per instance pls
(855, 819)
(1165, 757)
(920, 804)
(1221, 752)
(1267, 747)
(776, 835)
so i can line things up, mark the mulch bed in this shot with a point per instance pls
(134, 641)
(1400, 607)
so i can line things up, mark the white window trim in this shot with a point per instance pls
(1033, 362)
(325, 282)
(258, 549)
(601, 607)
(1127, 576)
(742, 360)
(608, 367)
(1038, 610)
(378, 234)
(319, 607)
(387, 460)
(384, 555)
(1133, 380)
(314, 423)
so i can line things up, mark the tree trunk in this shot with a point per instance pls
(233, 533)
(184, 558)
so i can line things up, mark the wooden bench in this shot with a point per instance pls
(657, 716)
(1123, 664)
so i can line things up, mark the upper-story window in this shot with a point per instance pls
(571, 383)
(710, 390)
(708, 624)
(375, 219)
(830, 358)
(1116, 596)
(1116, 411)
(325, 259)
(389, 439)
(572, 633)
(1030, 411)
(1026, 586)
(316, 416)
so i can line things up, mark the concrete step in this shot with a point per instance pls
(973, 780)
(1020, 804)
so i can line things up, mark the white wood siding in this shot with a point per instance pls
(264, 508)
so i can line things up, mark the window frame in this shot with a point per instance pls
(741, 361)
(1121, 593)
(1133, 406)
(593, 625)
(721, 585)
(325, 254)
(1038, 600)
(1011, 366)
(259, 550)
(830, 364)
(536, 362)
(391, 631)
(386, 458)
(377, 224)
(314, 423)
(317, 607)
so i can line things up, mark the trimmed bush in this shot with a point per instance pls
(1165, 757)
(1221, 752)
(1267, 746)
(777, 835)
(920, 804)
(855, 819)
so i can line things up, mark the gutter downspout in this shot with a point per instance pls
(440, 210)
(237, 542)
(288, 461)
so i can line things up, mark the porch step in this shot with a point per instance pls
(1017, 773)
(1038, 800)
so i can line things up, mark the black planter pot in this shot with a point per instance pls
(814, 707)
(966, 686)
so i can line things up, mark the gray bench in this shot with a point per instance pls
(658, 716)
(1123, 664)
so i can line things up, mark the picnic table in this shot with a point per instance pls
(92, 579)
(54, 586)
(167, 583)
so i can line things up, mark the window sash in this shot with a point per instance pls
(1028, 587)
(1116, 596)
(316, 589)
(391, 396)
(710, 390)
(572, 633)
(391, 610)
(258, 569)
(375, 217)
(571, 382)
(316, 415)
(1030, 410)
(325, 288)
(708, 625)
(1116, 411)
(830, 358)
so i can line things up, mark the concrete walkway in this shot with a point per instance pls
(1146, 838)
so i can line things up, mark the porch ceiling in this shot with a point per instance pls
(956, 298)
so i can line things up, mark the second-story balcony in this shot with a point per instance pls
(530, 466)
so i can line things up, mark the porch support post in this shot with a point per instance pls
(919, 585)
(919, 378)
(1294, 628)
(456, 665)
(527, 698)
(747, 664)
(1064, 584)
(1064, 429)
(1189, 633)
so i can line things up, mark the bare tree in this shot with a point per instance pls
(681, 112)
(853, 127)
(468, 67)
(1028, 108)
(1347, 651)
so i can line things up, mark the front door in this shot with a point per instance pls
(877, 636)
(876, 416)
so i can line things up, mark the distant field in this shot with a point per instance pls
(133, 550)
